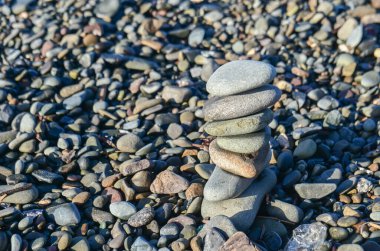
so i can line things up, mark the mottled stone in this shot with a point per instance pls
(167, 182)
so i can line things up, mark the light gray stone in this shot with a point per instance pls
(141, 244)
(213, 240)
(176, 94)
(21, 197)
(196, 36)
(239, 76)
(122, 209)
(222, 223)
(16, 242)
(80, 244)
(129, 143)
(65, 214)
(28, 123)
(314, 190)
(370, 79)
(350, 247)
(284, 211)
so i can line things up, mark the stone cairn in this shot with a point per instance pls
(238, 115)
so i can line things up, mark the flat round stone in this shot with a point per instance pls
(245, 143)
(240, 105)
(239, 76)
(239, 126)
(244, 165)
(314, 190)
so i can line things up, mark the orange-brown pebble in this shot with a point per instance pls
(194, 190)
(374, 167)
(110, 180)
(81, 198)
(115, 194)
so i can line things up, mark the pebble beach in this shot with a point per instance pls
(190, 125)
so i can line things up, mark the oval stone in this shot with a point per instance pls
(223, 185)
(243, 125)
(240, 105)
(239, 76)
(246, 143)
(20, 197)
(370, 79)
(244, 165)
(243, 209)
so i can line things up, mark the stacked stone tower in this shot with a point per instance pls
(238, 115)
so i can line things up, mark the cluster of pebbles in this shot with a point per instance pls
(103, 141)
(238, 115)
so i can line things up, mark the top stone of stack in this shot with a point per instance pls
(239, 76)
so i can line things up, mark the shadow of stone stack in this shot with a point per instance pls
(238, 115)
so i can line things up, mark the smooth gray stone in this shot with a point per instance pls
(350, 247)
(240, 105)
(140, 244)
(355, 37)
(223, 185)
(76, 100)
(21, 197)
(122, 209)
(16, 242)
(239, 126)
(196, 36)
(213, 240)
(65, 214)
(284, 211)
(7, 136)
(239, 76)
(245, 143)
(314, 190)
(370, 79)
(375, 216)
(243, 209)
(28, 123)
(80, 244)
(328, 218)
(222, 223)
